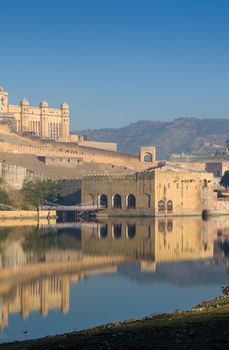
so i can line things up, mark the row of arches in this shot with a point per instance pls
(130, 231)
(54, 130)
(163, 206)
(34, 126)
(164, 226)
(117, 201)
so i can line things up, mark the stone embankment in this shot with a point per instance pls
(27, 214)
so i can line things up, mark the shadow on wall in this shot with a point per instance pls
(71, 199)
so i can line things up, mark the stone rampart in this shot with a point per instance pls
(113, 177)
(70, 162)
(110, 146)
(15, 175)
(87, 156)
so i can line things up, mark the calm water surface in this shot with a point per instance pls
(64, 277)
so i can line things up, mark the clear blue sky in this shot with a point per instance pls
(118, 61)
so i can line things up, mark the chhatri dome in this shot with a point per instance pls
(24, 102)
(44, 104)
(1, 88)
(64, 105)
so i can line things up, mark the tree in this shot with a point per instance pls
(36, 192)
(225, 180)
(4, 198)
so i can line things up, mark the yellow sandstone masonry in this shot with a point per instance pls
(27, 214)
(87, 156)
(42, 121)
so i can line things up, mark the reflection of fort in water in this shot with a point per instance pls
(38, 265)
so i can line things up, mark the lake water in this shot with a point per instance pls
(57, 278)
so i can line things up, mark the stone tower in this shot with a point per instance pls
(3, 101)
(24, 115)
(64, 121)
(44, 119)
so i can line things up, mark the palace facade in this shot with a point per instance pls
(151, 193)
(44, 122)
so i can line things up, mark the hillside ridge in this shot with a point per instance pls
(189, 135)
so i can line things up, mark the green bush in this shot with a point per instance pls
(4, 198)
(36, 192)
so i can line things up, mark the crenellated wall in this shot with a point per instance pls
(125, 160)
(156, 193)
(15, 175)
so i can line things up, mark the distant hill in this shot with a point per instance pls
(189, 135)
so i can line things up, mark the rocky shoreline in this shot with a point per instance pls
(206, 326)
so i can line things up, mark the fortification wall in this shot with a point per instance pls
(66, 162)
(15, 176)
(193, 166)
(88, 156)
(70, 186)
(109, 146)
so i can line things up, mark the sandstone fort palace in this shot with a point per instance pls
(42, 121)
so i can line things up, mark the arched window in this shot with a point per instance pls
(161, 206)
(130, 231)
(205, 214)
(117, 201)
(131, 201)
(103, 231)
(148, 158)
(161, 226)
(170, 206)
(117, 230)
(170, 226)
(103, 202)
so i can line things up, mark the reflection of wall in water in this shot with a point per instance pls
(38, 279)
(182, 240)
(41, 295)
(101, 249)
(221, 245)
(13, 255)
(133, 241)
(159, 240)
